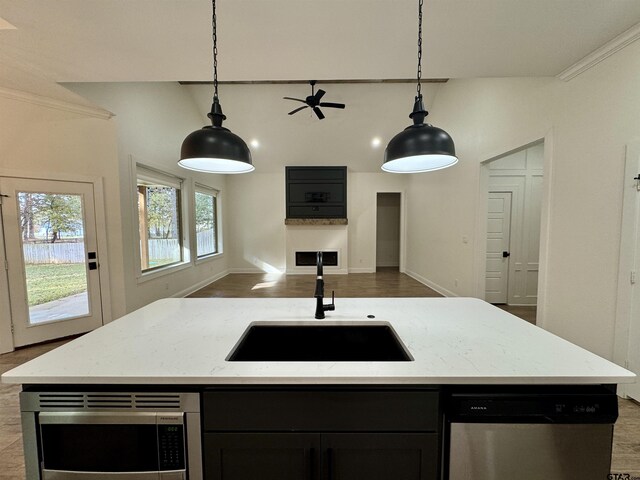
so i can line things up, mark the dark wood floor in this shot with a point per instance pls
(386, 283)
(524, 312)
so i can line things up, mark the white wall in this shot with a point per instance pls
(257, 208)
(362, 190)
(47, 142)
(152, 121)
(588, 122)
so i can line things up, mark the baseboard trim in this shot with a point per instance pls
(432, 285)
(246, 270)
(362, 270)
(199, 285)
(313, 270)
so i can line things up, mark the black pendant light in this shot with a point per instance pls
(419, 147)
(214, 149)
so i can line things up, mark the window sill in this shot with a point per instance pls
(208, 258)
(161, 272)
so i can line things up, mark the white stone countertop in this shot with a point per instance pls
(186, 341)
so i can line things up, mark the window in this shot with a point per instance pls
(206, 221)
(159, 219)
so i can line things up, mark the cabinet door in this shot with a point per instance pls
(261, 456)
(384, 456)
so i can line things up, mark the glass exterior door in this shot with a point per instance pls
(50, 244)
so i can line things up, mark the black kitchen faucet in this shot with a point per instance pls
(320, 305)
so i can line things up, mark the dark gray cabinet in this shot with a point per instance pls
(326, 456)
(321, 434)
(316, 192)
(261, 456)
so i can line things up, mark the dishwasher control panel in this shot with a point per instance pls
(539, 407)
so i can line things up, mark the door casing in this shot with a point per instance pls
(626, 350)
(6, 335)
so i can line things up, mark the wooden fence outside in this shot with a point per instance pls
(74, 252)
(53, 252)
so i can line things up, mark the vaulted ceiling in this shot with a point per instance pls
(169, 40)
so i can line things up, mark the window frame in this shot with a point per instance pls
(145, 172)
(207, 190)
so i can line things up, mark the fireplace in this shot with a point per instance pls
(303, 242)
(309, 259)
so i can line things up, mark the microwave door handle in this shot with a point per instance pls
(101, 418)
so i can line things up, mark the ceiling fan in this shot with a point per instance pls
(313, 101)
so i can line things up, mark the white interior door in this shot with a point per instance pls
(52, 258)
(498, 238)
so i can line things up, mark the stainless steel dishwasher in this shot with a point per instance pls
(526, 433)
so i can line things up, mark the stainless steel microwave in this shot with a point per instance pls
(109, 435)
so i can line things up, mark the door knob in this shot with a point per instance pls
(506, 254)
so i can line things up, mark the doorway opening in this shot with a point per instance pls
(513, 226)
(388, 221)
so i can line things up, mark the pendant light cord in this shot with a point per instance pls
(215, 50)
(419, 88)
(216, 115)
(419, 113)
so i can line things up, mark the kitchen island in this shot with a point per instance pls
(316, 412)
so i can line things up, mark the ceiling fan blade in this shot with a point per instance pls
(296, 99)
(332, 105)
(319, 94)
(298, 109)
(318, 112)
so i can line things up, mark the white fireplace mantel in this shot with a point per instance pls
(317, 238)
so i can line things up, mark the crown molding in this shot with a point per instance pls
(601, 53)
(55, 104)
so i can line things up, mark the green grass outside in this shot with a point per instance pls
(49, 282)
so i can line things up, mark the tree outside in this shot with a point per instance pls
(160, 226)
(162, 211)
(53, 246)
(205, 223)
(50, 214)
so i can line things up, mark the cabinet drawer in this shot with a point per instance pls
(321, 410)
(317, 211)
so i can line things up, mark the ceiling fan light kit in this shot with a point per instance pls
(419, 147)
(214, 148)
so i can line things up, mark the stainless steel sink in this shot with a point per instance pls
(351, 342)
